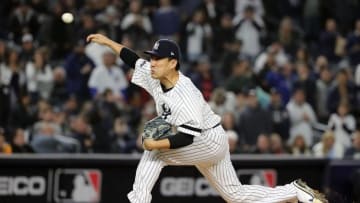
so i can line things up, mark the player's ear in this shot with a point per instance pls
(173, 63)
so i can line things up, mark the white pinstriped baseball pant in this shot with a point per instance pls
(210, 154)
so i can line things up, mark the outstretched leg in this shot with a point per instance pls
(222, 176)
(147, 173)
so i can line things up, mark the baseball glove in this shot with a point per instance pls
(157, 129)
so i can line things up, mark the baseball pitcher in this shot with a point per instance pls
(199, 139)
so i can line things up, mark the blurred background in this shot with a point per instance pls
(283, 74)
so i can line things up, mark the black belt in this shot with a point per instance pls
(198, 129)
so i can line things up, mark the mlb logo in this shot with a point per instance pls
(77, 185)
(264, 177)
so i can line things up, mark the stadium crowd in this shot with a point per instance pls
(284, 75)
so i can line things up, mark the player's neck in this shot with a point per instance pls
(170, 80)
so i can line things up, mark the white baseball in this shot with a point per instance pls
(67, 17)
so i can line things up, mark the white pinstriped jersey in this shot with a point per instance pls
(209, 153)
(182, 105)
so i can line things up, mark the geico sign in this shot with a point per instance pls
(171, 186)
(21, 185)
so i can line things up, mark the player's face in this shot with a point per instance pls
(160, 67)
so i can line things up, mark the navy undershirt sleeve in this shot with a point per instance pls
(180, 140)
(129, 57)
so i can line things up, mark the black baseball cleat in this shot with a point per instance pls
(306, 194)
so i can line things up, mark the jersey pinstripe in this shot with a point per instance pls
(184, 106)
(179, 106)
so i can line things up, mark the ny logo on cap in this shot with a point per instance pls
(172, 53)
(156, 46)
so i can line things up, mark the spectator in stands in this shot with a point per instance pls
(323, 85)
(328, 147)
(312, 16)
(102, 142)
(228, 121)
(250, 30)
(276, 144)
(61, 118)
(302, 56)
(39, 76)
(78, 68)
(289, 36)
(137, 25)
(110, 19)
(276, 51)
(353, 45)
(342, 91)
(253, 121)
(232, 53)
(166, 21)
(19, 143)
(59, 92)
(23, 20)
(87, 25)
(222, 101)
(46, 116)
(213, 11)
(241, 5)
(3, 50)
(302, 117)
(293, 9)
(298, 146)
(46, 140)
(27, 48)
(24, 114)
(56, 34)
(42, 136)
(279, 115)
(108, 76)
(262, 145)
(357, 78)
(321, 62)
(71, 106)
(223, 36)
(5, 148)
(345, 14)
(110, 107)
(354, 151)
(198, 35)
(327, 41)
(203, 76)
(81, 131)
(280, 79)
(343, 124)
(270, 76)
(241, 77)
(263, 97)
(123, 139)
(12, 80)
(307, 83)
(357, 83)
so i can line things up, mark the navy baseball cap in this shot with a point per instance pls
(165, 48)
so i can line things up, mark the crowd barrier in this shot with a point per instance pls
(104, 178)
